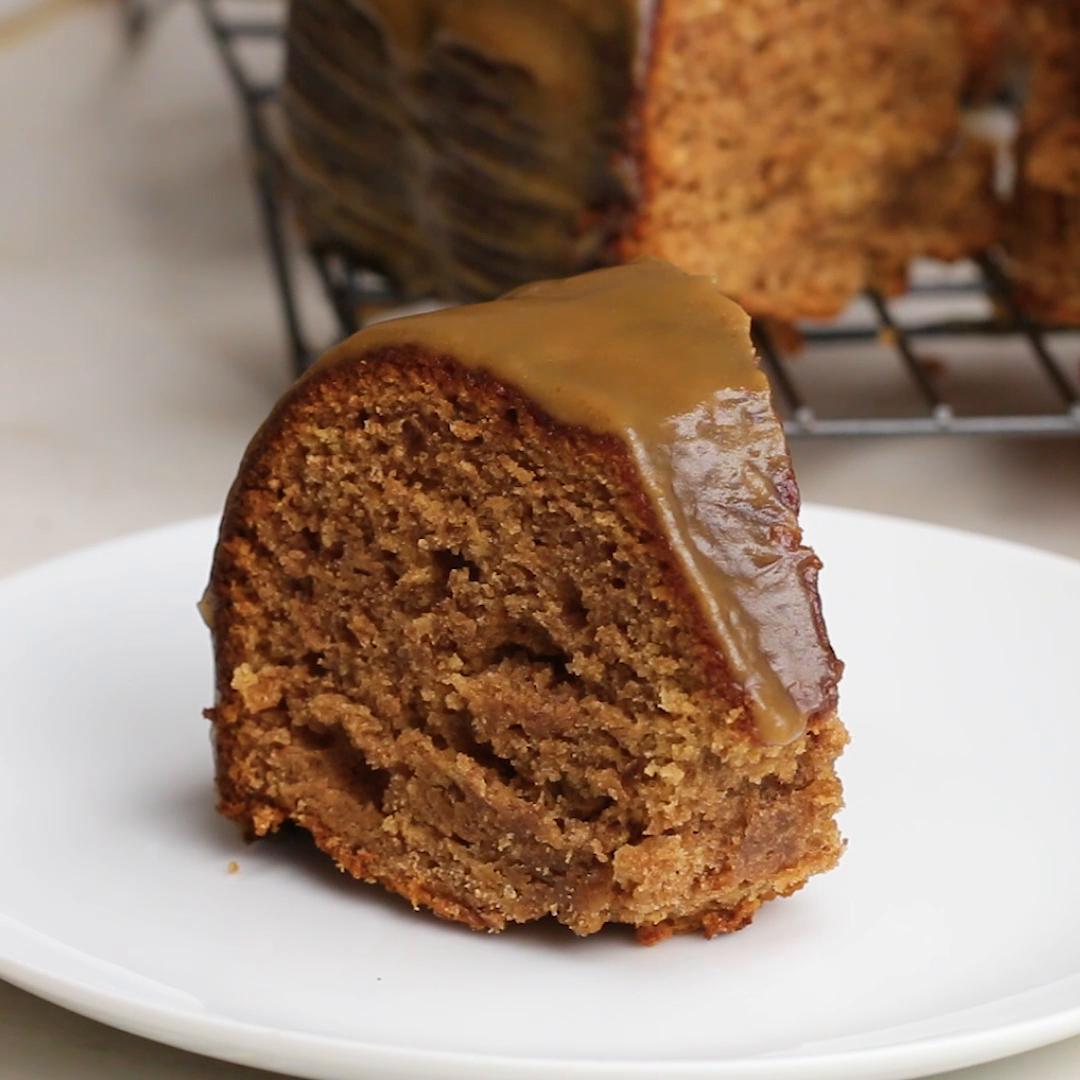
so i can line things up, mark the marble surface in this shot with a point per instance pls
(141, 346)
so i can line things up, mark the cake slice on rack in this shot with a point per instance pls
(511, 612)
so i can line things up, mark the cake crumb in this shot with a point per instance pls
(233, 867)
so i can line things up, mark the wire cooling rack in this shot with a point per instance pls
(954, 355)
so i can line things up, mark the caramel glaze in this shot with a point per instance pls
(660, 359)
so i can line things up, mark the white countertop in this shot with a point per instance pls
(142, 346)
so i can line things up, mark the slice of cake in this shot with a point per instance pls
(468, 146)
(511, 612)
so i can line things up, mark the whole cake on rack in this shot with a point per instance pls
(511, 612)
(468, 146)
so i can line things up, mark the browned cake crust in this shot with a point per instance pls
(454, 643)
(1043, 234)
(464, 147)
(470, 147)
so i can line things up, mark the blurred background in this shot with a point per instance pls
(144, 340)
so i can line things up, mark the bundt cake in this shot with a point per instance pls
(511, 612)
(468, 146)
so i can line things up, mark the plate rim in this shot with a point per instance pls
(329, 1056)
(320, 1057)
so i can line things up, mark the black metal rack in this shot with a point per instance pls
(878, 335)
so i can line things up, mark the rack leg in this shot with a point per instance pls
(274, 232)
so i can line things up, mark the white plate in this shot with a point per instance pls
(948, 935)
